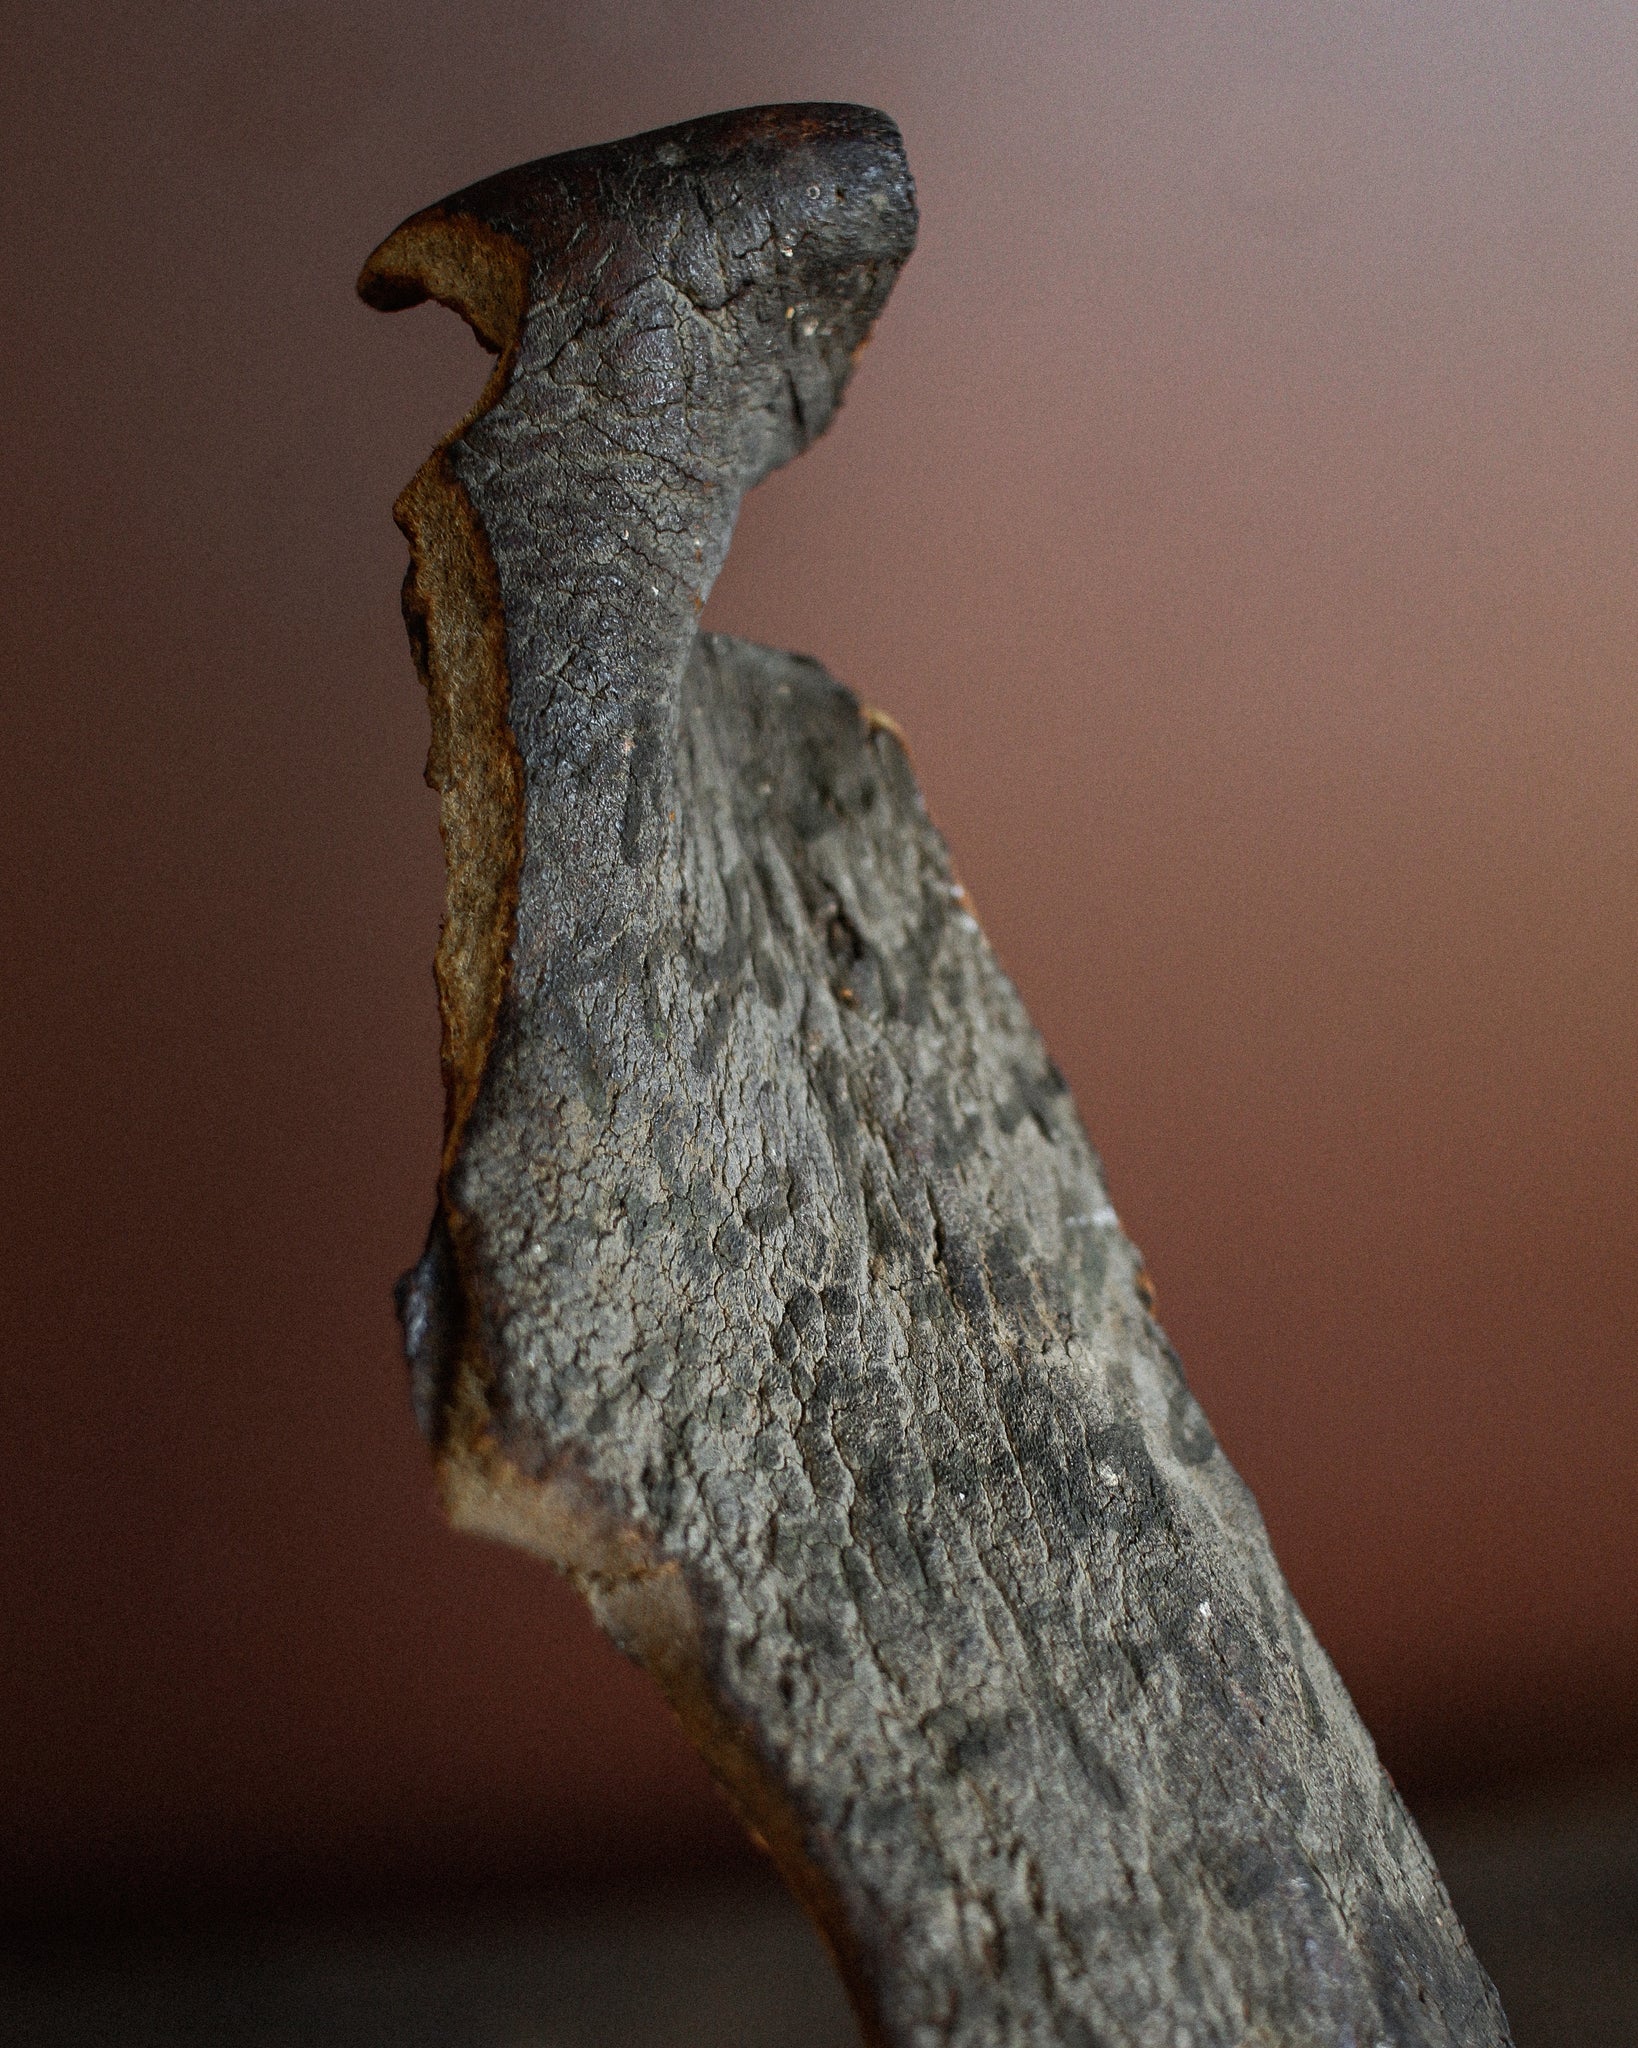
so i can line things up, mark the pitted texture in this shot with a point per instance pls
(774, 1241)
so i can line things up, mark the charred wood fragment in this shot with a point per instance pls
(773, 1292)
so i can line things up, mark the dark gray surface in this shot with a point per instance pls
(774, 1290)
(1549, 1894)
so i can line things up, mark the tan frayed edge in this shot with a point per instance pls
(457, 627)
(456, 620)
(643, 1602)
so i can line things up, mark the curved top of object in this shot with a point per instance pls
(675, 315)
(809, 210)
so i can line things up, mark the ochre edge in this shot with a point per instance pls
(457, 630)
(456, 621)
(643, 1602)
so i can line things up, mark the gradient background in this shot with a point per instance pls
(1236, 508)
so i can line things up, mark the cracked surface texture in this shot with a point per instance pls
(774, 1291)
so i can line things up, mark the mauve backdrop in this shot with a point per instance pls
(1236, 508)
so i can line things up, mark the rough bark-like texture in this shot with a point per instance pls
(773, 1291)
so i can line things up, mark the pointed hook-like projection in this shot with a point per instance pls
(773, 1291)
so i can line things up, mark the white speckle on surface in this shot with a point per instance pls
(1205, 1610)
(1101, 1218)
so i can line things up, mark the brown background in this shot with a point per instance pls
(1237, 509)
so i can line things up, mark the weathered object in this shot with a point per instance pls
(773, 1291)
